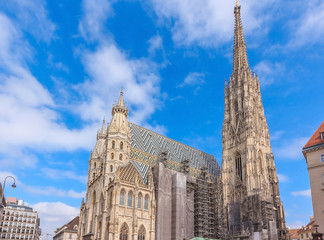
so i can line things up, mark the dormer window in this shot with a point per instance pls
(322, 135)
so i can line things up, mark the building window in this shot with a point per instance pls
(322, 135)
(113, 144)
(111, 168)
(120, 156)
(112, 155)
(322, 158)
(146, 202)
(124, 232)
(141, 233)
(122, 197)
(121, 145)
(94, 165)
(93, 176)
(139, 201)
(238, 164)
(130, 199)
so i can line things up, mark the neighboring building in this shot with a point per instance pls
(68, 231)
(293, 234)
(314, 154)
(144, 186)
(305, 233)
(3, 203)
(19, 221)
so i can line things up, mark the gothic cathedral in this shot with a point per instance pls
(145, 186)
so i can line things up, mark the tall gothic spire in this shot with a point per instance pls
(240, 59)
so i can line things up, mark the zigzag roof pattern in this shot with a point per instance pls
(153, 144)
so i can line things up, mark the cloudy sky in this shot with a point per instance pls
(63, 63)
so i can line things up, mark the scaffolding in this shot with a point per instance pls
(204, 200)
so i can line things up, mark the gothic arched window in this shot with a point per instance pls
(146, 202)
(123, 232)
(121, 145)
(139, 200)
(113, 144)
(122, 197)
(130, 199)
(238, 164)
(120, 156)
(141, 233)
(111, 168)
(93, 176)
(236, 107)
(94, 165)
(112, 156)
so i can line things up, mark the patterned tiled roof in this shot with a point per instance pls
(147, 146)
(134, 170)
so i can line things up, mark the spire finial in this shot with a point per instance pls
(237, 3)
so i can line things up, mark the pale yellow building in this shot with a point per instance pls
(314, 154)
(68, 231)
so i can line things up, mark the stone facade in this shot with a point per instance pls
(250, 183)
(120, 204)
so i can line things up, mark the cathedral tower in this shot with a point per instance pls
(250, 183)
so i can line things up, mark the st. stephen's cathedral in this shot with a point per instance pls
(145, 186)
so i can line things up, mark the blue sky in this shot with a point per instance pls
(63, 63)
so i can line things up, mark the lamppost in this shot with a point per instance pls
(4, 185)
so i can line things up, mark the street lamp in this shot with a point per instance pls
(4, 185)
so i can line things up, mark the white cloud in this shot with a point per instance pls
(57, 174)
(276, 135)
(283, 178)
(53, 191)
(290, 149)
(95, 14)
(156, 43)
(303, 193)
(295, 225)
(309, 28)
(29, 117)
(32, 17)
(54, 215)
(44, 191)
(267, 70)
(110, 69)
(193, 79)
(210, 23)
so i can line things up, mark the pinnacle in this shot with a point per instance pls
(121, 99)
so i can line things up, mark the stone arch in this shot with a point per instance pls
(121, 157)
(124, 232)
(113, 144)
(121, 145)
(141, 233)
(112, 156)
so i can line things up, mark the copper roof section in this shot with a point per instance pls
(316, 138)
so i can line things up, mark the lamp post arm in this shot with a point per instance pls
(4, 186)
